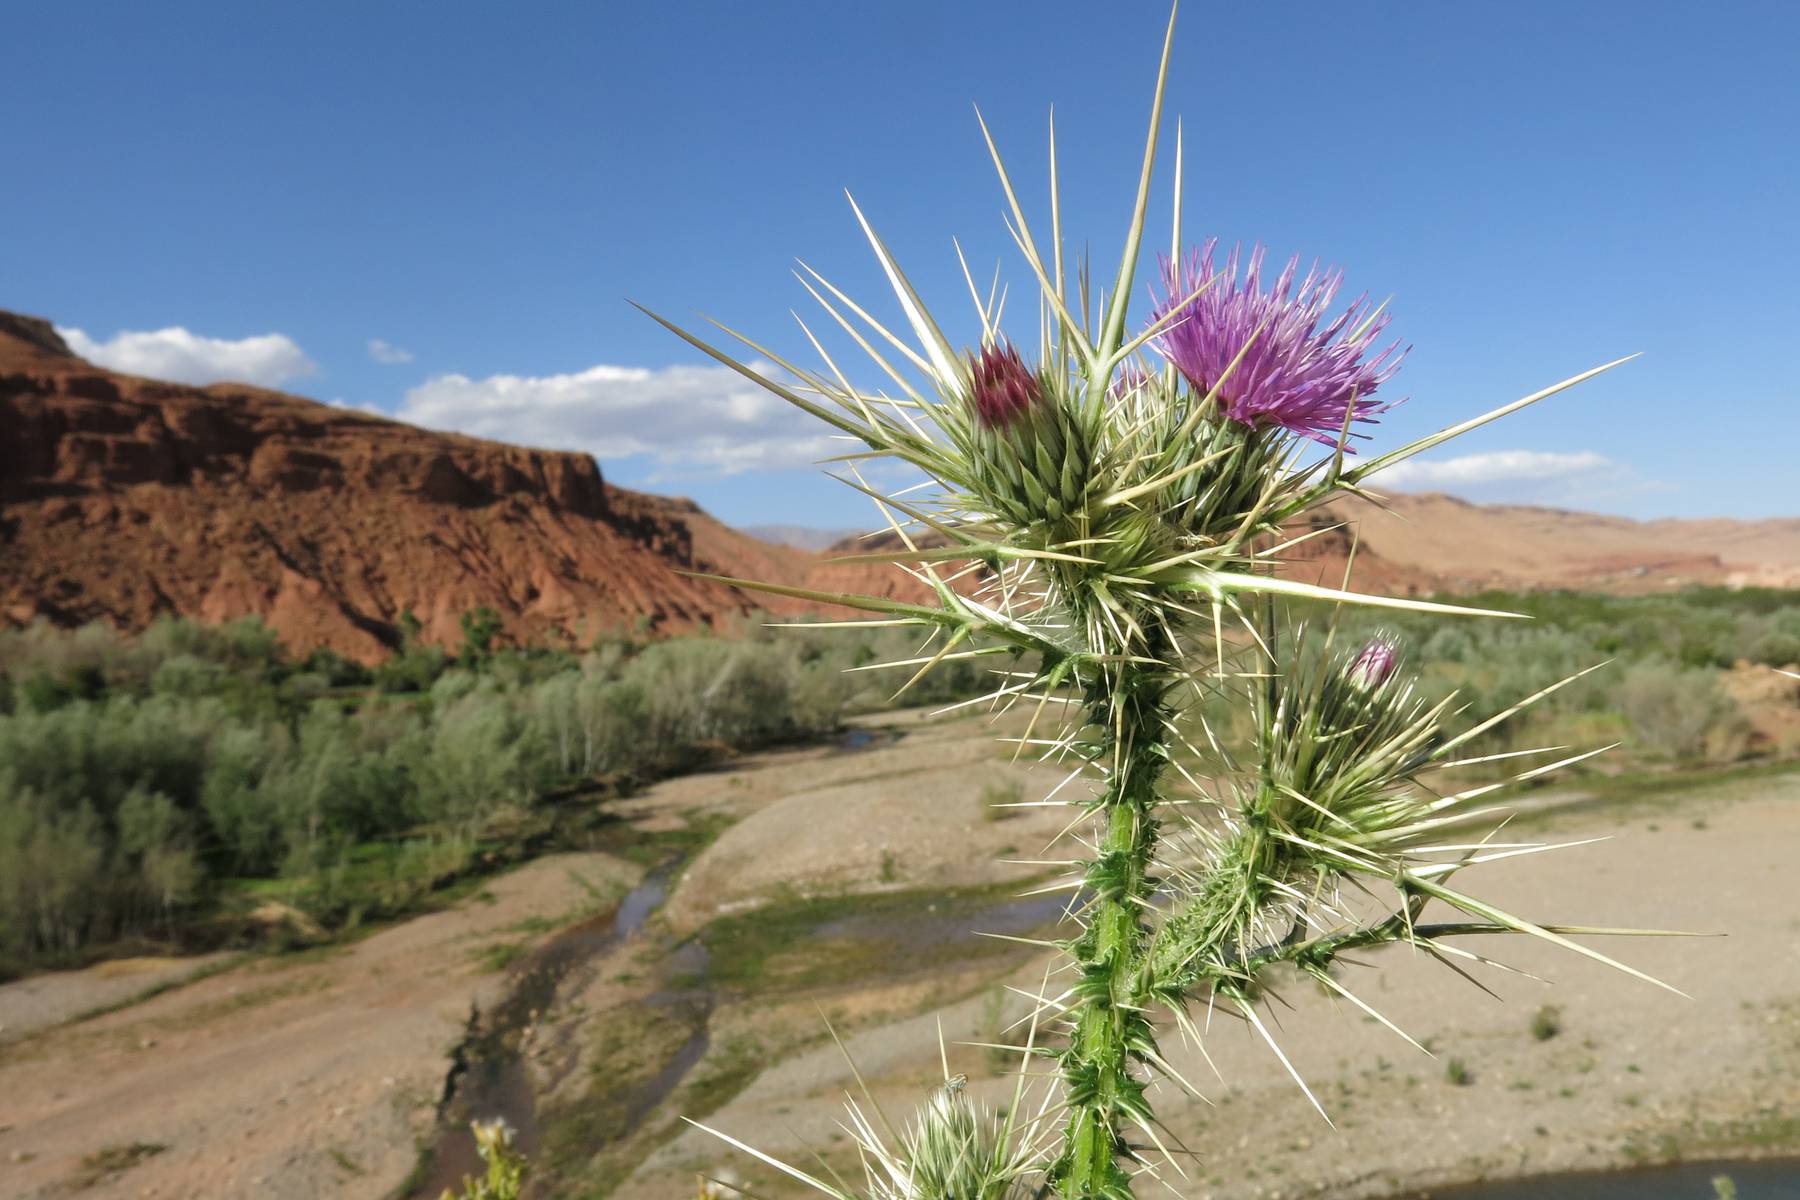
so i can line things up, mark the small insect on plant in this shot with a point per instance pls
(1105, 508)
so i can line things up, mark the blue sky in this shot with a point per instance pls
(266, 191)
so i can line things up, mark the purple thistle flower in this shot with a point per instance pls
(1296, 375)
(1004, 388)
(1371, 668)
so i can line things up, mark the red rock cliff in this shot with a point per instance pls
(122, 499)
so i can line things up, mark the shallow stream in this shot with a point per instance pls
(489, 1078)
(492, 1078)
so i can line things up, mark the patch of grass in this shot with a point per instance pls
(104, 1163)
(345, 1162)
(213, 1010)
(994, 1031)
(728, 1070)
(1546, 1022)
(890, 867)
(157, 989)
(415, 1178)
(498, 956)
(1772, 1130)
(799, 943)
(655, 847)
(1458, 1073)
(603, 894)
(591, 1143)
(322, 952)
(996, 796)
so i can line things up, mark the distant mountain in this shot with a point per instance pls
(1458, 546)
(1429, 542)
(802, 537)
(122, 499)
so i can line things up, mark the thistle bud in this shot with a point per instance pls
(1002, 386)
(1371, 668)
(492, 1135)
(722, 1186)
(1031, 452)
(952, 1149)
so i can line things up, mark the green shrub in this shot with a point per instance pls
(337, 671)
(414, 669)
(1679, 712)
(480, 626)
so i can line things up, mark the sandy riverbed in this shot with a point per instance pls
(1633, 1074)
(311, 1075)
(318, 1075)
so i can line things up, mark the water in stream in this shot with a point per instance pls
(490, 1078)
(494, 1080)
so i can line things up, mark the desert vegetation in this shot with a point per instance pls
(164, 786)
(198, 785)
(1662, 695)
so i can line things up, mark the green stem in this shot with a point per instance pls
(1103, 1066)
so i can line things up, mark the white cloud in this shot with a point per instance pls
(1495, 468)
(176, 355)
(685, 418)
(387, 353)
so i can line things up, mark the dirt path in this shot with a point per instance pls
(303, 1076)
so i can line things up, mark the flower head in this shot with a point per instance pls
(491, 1134)
(1371, 668)
(1003, 387)
(1295, 375)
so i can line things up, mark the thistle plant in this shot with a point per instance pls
(953, 1147)
(504, 1178)
(1103, 517)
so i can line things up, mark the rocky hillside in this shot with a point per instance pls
(122, 499)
